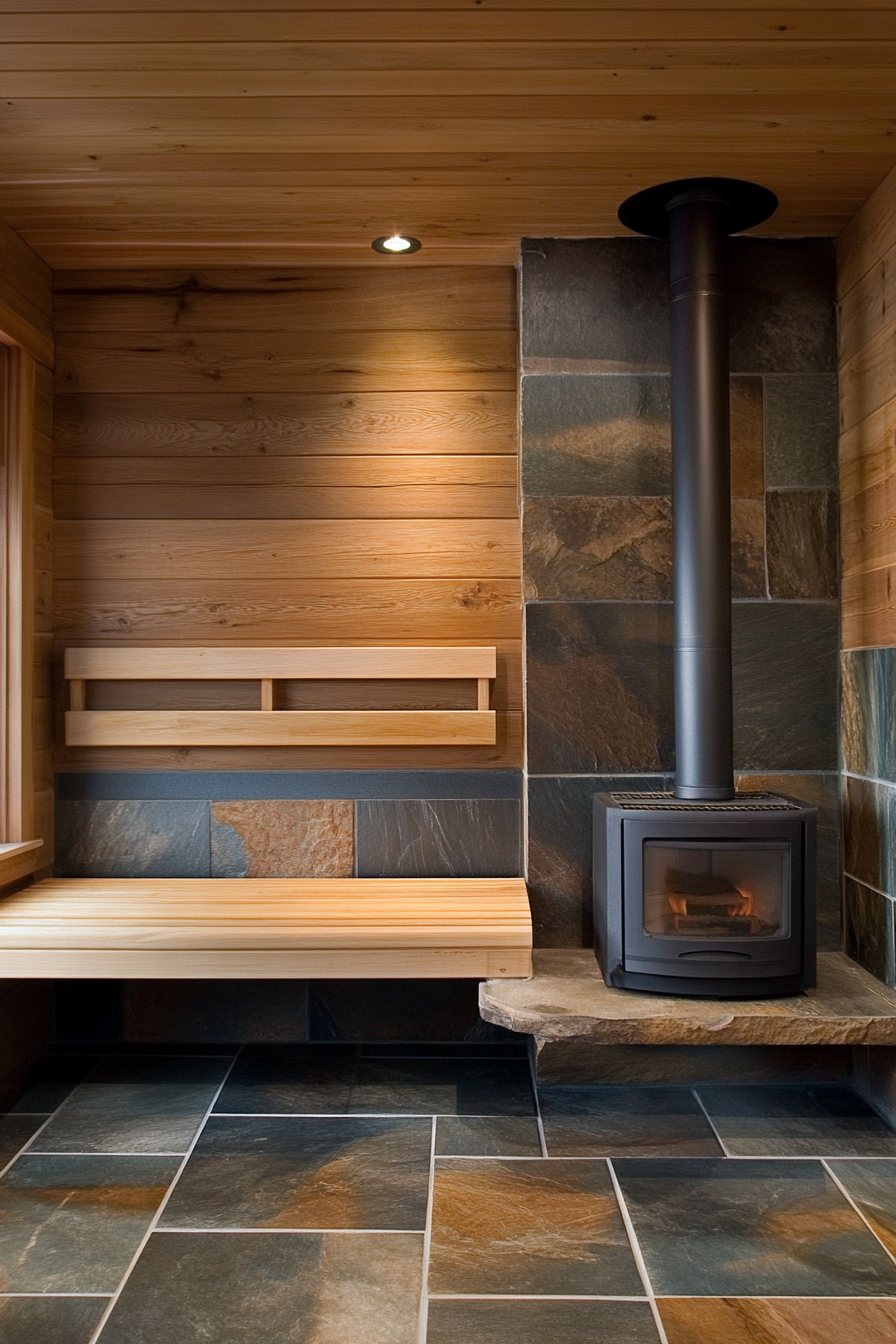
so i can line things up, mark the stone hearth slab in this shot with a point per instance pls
(566, 999)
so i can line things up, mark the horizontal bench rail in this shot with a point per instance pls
(273, 928)
(268, 726)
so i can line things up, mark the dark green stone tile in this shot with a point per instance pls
(36, 1320)
(132, 838)
(487, 1136)
(72, 1224)
(245, 1289)
(522, 1322)
(599, 692)
(801, 430)
(539, 1227)
(438, 837)
(868, 710)
(785, 686)
(604, 434)
(599, 548)
(625, 1122)
(134, 1104)
(53, 1078)
(801, 536)
(782, 305)
(15, 1131)
(597, 304)
(872, 1186)
(559, 874)
(442, 1087)
(297, 1080)
(869, 930)
(720, 1228)
(301, 1172)
(797, 1122)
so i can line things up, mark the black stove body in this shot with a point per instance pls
(703, 892)
(705, 899)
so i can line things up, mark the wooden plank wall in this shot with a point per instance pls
(867, 284)
(289, 457)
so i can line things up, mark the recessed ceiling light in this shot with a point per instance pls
(396, 244)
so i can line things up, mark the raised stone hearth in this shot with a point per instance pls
(577, 1021)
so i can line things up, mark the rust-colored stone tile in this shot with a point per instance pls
(612, 547)
(747, 467)
(283, 838)
(530, 1227)
(747, 547)
(795, 1320)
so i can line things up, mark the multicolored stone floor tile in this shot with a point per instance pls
(625, 1122)
(268, 1289)
(400, 1194)
(805, 1121)
(54, 1320)
(338, 1080)
(487, 1136)
(530, 1322)
(136, 1104)
(543, 1227)
(723, 1228)
(308, 1172)
(72, 1224)
(795, 1320)
(872, 1188)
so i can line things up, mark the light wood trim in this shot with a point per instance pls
(229, 728)
(18, 859)
(386, 964)
(267, 695)
(245, 928)
(16, 330)
(77, 694)
(173, 664)
(18, 507)
(482, 693)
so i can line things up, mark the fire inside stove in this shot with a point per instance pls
(697, 890)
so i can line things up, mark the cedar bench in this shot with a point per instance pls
(267, 928)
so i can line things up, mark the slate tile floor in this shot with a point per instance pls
(425, 1195)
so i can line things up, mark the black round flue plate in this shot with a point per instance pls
(645, 212)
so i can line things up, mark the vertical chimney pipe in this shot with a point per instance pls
(697, 215)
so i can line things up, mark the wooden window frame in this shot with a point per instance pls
(18, 845)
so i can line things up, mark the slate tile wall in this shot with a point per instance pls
(597, 551)
(206, 824)
(869, 807)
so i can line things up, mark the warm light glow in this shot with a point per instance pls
(397, 243)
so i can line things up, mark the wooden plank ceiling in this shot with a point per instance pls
(141, 132)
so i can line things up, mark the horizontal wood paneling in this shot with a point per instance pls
(324, 610)
(216, 424)
(172, 503)
(303, 360)
(343, 299)
(272, 549)
(867, 303)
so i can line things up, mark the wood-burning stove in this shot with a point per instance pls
(703, 891)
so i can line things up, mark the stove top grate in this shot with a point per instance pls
(745, 802)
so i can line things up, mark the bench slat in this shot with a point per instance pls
(178, 664)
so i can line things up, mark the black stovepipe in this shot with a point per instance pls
(697, 215)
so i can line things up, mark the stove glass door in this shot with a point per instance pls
(698, 890)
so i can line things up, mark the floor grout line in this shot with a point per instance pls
(423, 1322)
(365, 1115)
(532, 1297)
(637, 1253)
(709, 1120)
(160, 1210)
(852, 1203)
(41, 1296)
(52, 1115)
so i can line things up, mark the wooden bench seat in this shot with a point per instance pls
(271, 928)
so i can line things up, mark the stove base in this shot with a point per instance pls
(758, 987)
